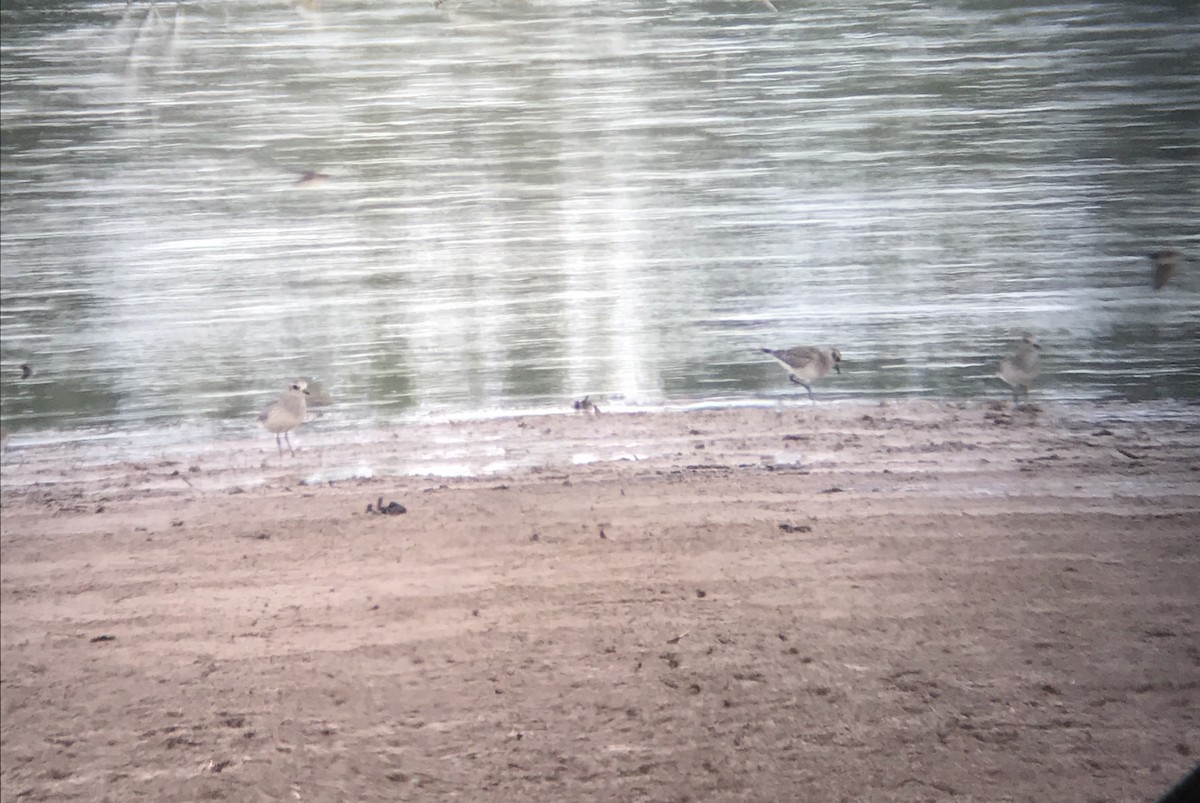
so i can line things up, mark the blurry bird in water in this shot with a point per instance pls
(311, 178)
(1164, 263)
(26, 370)
(1021, 367)
(806, 363)
(286, 413)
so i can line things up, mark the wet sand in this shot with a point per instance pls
(903, 602)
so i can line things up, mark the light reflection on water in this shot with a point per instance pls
(530, 203)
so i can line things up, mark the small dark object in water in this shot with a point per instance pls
(26, 370)
(310, 178)
(105, 637)
(1165, 263)
(391, 509)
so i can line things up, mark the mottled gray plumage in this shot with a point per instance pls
(806, 363)
(1022, 366)
(286, 414)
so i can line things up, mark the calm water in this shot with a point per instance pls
(528, 202)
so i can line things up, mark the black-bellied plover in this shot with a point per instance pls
(1164, 263)
(1021, 367)
(806, 363)
(286, 413)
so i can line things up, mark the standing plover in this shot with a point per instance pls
(1021, 367)
(286, 413)
(806, 363)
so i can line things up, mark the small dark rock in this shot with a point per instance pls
(390, 509)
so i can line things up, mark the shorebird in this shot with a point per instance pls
(586, 405)
(1164, 263)
(286, 414)
(806, 363)
(1021, 367)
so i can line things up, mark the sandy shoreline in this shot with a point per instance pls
(914, 601)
